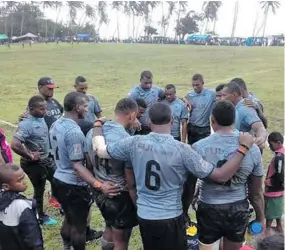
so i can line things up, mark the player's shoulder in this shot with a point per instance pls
(254, 151)
(203, 142)
(133, 91)
(178, 101)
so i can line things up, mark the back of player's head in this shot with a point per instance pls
(276, 137)
(160, 114)
(273, 242)
(224, 113)
(80, 79)
(146, 74)
(35, 101)
(233, 87)
(72, 100)
(5, 172)
(197, 77)
(141, 103)
(126, 106)
(240, 83)
(220, 87)
(169, 87)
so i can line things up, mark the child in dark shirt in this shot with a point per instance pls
(19, 228)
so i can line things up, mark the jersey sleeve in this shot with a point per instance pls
(195, 163)
(23, 132)
(250, 117)
(97, 107)
(76, 145)
(258, 166)
(184, 113)
(132, 94)
(121, 150)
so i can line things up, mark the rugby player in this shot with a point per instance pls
(160, 165)
(201, 100)
(223, 209)
(246, 117)
(149, 93)
(219, 91)
(71, 176)
(94, 109)
(119, 212)
(251, 101)
(179, 113)
(46, 86)
(31, 142)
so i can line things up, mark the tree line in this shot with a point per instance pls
(18, 18)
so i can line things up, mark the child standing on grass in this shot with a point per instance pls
(274, 183)
(19, 227)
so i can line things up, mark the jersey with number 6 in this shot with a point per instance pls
(160, 164)
(104, 169)
(68, 144)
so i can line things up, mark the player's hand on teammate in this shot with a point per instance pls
(246, 139)
(35, 156)
(110, 189)
(186, 103)
(259, 141)
(101, 120)
(250, 103)
(137, 125)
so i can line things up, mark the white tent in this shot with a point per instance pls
(28, 35)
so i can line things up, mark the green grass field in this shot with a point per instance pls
(112, 69)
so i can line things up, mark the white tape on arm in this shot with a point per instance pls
(100, 147)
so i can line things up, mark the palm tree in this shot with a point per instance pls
(57, 5)
(182, 6)
(89, 13)
(147, 9)
(136, 11)
(73, 6)
(11, 6)
(266, 6)
(46, 5)
(235, 18)
(117, 6)
(210, 11)
(102, 12)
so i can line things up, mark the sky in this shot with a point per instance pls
(248, 11)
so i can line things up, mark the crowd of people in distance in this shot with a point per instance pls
(158, 156)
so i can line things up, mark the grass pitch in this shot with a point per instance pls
(112, 69)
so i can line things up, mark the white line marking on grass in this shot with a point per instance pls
(8, 123)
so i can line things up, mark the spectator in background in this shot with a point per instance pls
(5, 150)
(274, 183)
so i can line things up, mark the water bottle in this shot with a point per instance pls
(254, 229)
(192, 237)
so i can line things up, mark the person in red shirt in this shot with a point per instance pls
(274, 183)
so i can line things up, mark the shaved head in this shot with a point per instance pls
(6, 172)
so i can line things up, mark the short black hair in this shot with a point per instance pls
(35, 101)
(240, 83)
(170, 86)
(275, 242)
(161, 95)
(220, 87)
(160, 113)
(141, 103)
(146, 74)
(126, 106)
(72, 99)
(276, 137)
(79, 79)
(224, 113)
(5, 172)
(198, 77)
(234, 87)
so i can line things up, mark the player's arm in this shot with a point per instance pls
(120, 150)
(188, 192)
(18, 139)
(260, 133)
(97, 109)
(262, 117)
(255, 195)
(184, 118)
(75, 144)
(131, 184)
(203, 169)
(255, 191)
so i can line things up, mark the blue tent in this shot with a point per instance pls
(83, 36)
(193, 38)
